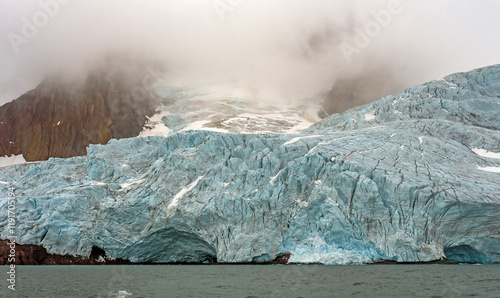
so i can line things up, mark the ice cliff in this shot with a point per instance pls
(412, 177)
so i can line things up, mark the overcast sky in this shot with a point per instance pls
(292, 46)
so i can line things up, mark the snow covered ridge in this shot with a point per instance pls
(11, 160)
(404, 186)
(225, 108)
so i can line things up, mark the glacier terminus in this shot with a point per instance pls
(413, 177)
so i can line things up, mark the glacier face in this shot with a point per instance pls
(400, 179)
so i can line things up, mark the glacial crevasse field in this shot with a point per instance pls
(412, 177)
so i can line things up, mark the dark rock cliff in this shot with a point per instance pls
(60, 120)
(37, 255)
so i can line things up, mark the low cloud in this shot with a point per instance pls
(290, 49)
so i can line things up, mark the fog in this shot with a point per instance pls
(293, 49)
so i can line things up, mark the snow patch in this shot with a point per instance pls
(198, 125)
(154, 126)
(125, 185)
(369, 116)
(158, 130)
(299, 138)
(485, 153)
(6, 161)
(181, 193)
(489, 169)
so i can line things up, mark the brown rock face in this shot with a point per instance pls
(37, 255)
(59, 120)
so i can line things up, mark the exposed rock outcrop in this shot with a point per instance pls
(62, 119)
(37, 255)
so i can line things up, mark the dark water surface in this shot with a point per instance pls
(255, 281)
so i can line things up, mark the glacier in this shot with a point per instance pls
(230, 108)
(399, 179)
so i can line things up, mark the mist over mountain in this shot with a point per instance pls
(288, 49)
(63, 115)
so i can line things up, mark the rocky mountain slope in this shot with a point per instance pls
(61, 120)
(410, 178)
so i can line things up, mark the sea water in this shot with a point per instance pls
(256, 281)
